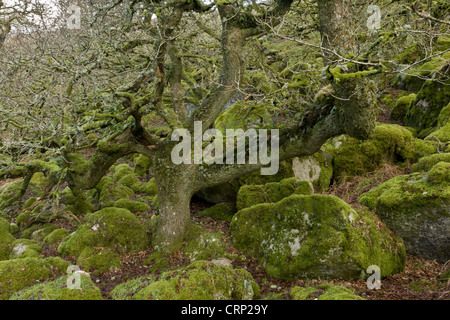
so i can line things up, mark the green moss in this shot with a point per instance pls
(121, 171)
(315, 236)
(302, 293)
(285, 171)
(242, 115)
(148, 188)
(6, 239)
(390, 143)
(113, 228)
(142, 165)
(59, 264)
(58, 290)
(444, 115)
(318, 169)
(126, 290)
(425, 285)
(13, 228)
(55, 236)
(205, 247)
(221, 211)
(339, 293)
(24, 248)
(423, 148)
(331, 292)
(131, 205)
(338, 75)
(98, 260)
(9, 191)
(443, 43)
(409, 55)
(401, 107)
(38, 232)
(29, 203)
(21, 273)
(425, 109)
(111, 192)
(201, 280)
(129, 180)
(158, 261)
(416, 207)
(440, 173)
(445, 275)
(426, 163)
(443, 133)
(250, 195)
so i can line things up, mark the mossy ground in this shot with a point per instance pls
(58, 290)
(325, 291)
(217, 283)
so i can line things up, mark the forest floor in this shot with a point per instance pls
(419, 281)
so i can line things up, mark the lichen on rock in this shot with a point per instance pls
(417, 207)
(315, 236)
(113, 228)
(24, 248)
(250, 195)
(205, 246)
(201, 280)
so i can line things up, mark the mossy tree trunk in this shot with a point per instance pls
(353, 91)
(174, 191)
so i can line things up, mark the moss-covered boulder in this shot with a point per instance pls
(111, 191)
(221, 211)
(99, 260)
(206, 246)
(24, 248)
(442, 134)
(201, 280)
(132, 205)
(428, 162)
(59, 265)
(389, 143)
(401, 107)
(113, 228)
(148, 188)
(417, 207)
(55, 236)
(433, 96)
(318, 169)
(326, 291)
(6, 239)
(38, 232)
(444, 116)
(9, 192)
(17, 274)
(126, 290)
(250, 195)
(58, 290)
(141, 165)
(316, 236)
